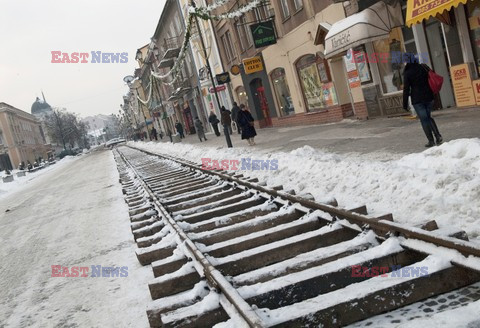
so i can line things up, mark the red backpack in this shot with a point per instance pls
(435, 81)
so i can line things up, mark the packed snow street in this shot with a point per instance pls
(247, 163)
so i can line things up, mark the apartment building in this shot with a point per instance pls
(21, 138)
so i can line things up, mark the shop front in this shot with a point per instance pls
(450, 32)
(372, 44)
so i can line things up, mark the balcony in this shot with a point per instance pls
(173, 46)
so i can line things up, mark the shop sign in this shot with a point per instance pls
(235, 70)
(223, 78)
(474, 22)
(252, 65)
(476, 91)
(170, 110)
(219, 88)
(263, 34)
(352, 72)
(462, 85)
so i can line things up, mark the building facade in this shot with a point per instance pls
(224, 91)
(21, 138)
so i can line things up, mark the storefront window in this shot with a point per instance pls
(282, 92)
(317, 91)
(391, 71)
(473, 10)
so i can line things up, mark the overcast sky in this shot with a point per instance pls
(31, 29)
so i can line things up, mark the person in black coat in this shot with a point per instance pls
(213, 120)
(179, 128)
(235, 111)
(153, 134)
(226, 120)
(415, 77)
(245, 120)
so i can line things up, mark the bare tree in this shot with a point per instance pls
(66, 128)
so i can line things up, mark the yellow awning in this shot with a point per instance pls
(418, 10)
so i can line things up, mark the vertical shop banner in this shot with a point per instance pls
(352, 72)
(476, 91)
(462, 85)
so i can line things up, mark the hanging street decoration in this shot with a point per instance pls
(203, 13)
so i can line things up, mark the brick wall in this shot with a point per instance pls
(330, 115)
(361, 110)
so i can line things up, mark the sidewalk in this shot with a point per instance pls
(398, 135)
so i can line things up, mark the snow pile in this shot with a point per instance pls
(19, 182)
(441, 183)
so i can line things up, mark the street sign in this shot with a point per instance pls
(252, 65)
(219, 88)
(223, 78)
(235, 70)
(263, 34)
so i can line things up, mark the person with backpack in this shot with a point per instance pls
(416, 86)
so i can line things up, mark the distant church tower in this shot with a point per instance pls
(40, 109)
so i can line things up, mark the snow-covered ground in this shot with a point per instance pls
(442, 183)
(21, 182)
(72, 215)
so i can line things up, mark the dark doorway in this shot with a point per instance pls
(261, 104)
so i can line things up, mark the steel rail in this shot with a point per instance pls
(382, 226)
(214, 276)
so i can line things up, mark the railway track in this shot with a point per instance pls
(228, 251)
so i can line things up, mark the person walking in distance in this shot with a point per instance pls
(212, 118)
(245, 120)
(235, 111)
(179, 128)
(154, 134)
(199, 128)
(415, 77)
(226, 120)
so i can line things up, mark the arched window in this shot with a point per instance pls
(318, 91)
(282, 92)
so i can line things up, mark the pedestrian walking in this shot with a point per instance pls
(416, 86)
(153, 134)
(199, 128)
(245, 120)
(235, 111)
(179, 128)
(169, 134)
(212, 118)
(226, 120)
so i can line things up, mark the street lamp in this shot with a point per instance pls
(207, 64)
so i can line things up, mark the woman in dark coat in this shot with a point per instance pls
(213, 120)
(416, 86)
(245, 120)
(199, 128)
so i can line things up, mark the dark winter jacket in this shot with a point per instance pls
(179, 127)
(213, 119)
(245, 120)
(226, 120)
(415, 78)
(235, 111)
(199, 127)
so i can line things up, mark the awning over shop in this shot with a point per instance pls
(371, 24)
(418, 10)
